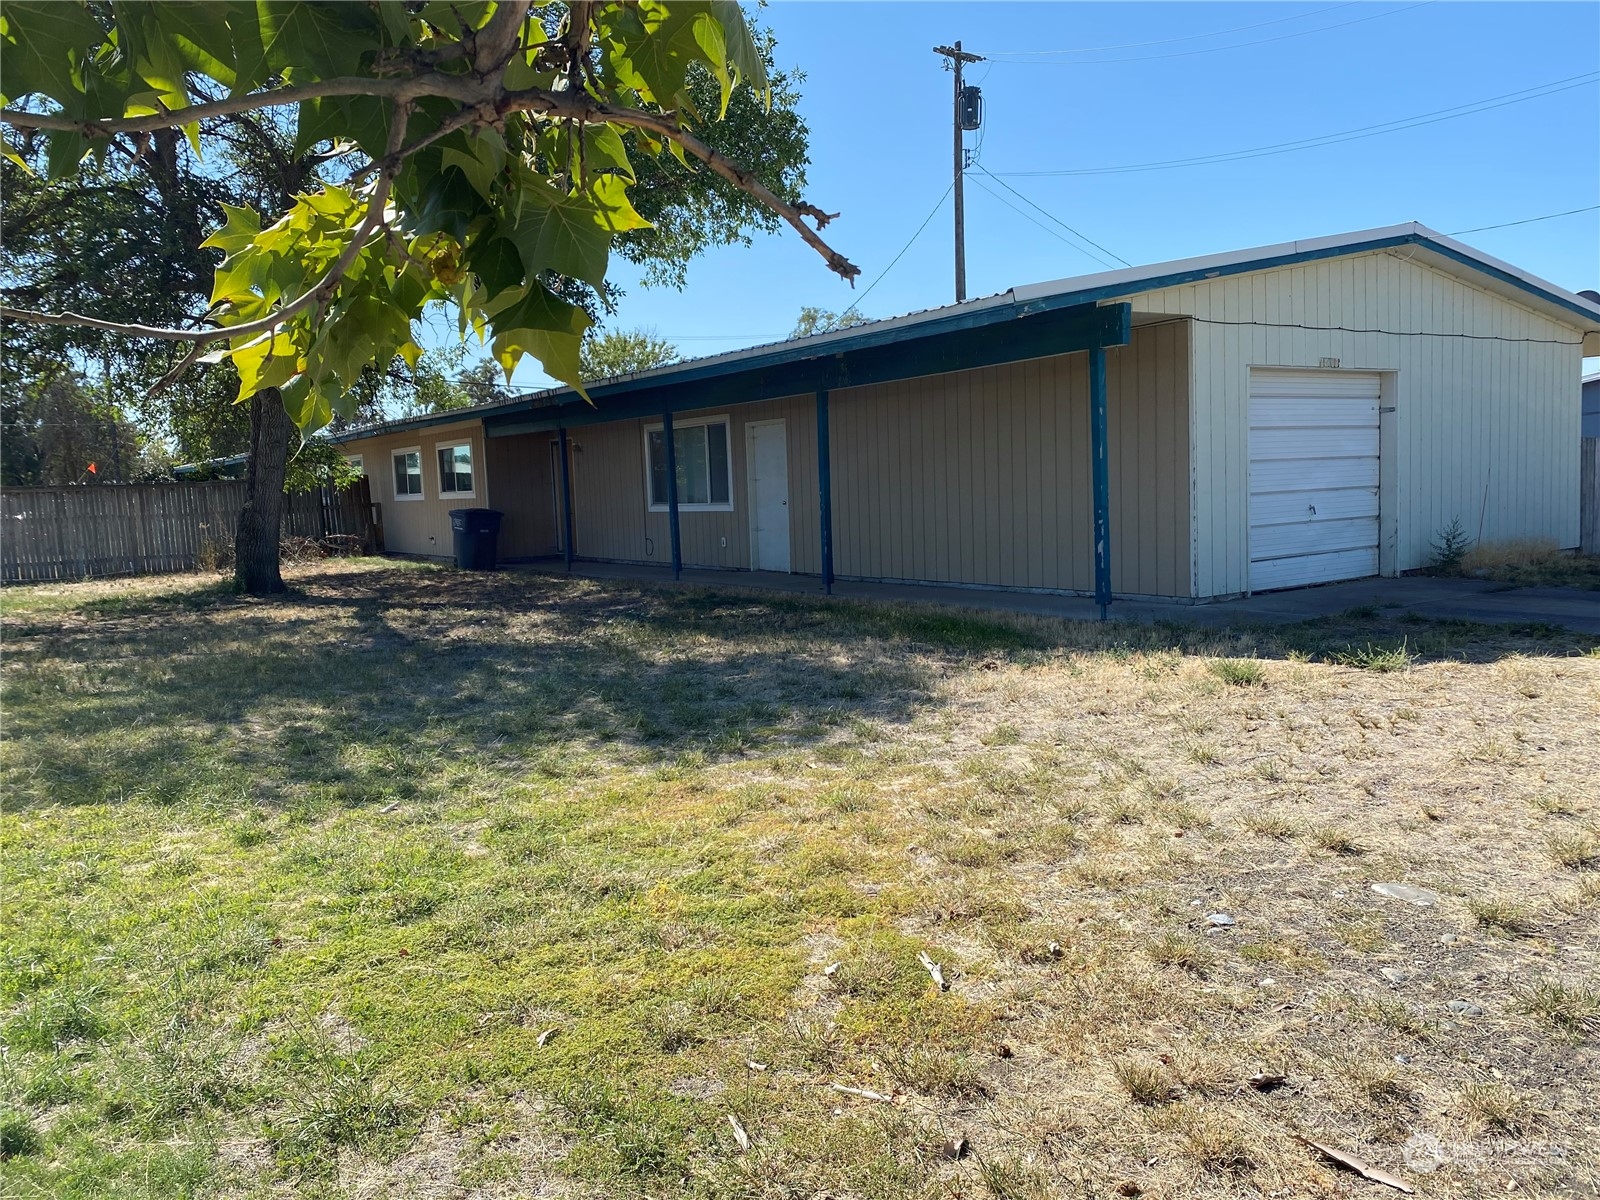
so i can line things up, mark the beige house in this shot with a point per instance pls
(1270, 418)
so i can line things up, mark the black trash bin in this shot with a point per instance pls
(476, 530)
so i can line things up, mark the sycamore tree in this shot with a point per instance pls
(496, 156)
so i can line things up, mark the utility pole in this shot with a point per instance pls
(966, 114)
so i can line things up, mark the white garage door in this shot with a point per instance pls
(1313, 477)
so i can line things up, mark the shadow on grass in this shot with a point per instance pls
(385, 684)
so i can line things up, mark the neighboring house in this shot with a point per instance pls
(1591, 405)
(1268, 418)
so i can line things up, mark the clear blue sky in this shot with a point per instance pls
(1178, 81)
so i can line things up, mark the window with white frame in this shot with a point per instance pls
(705, 476)
(357, 462)
(455, 470)
(408, 474)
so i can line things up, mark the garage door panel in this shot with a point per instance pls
(1317, 537)
(1270, 383)
(1313, 568)
(1313, 441)
(1313, 475)
(1279, 508)
(1297, 414)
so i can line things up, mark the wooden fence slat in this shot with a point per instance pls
(145, 528)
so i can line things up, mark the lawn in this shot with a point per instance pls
(421, 884)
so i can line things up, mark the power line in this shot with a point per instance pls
(1040, 224)
(1471, 108)
(1526, 220)
(1057, 220)
(857, 305)
(1035, 62)
(1192, 37)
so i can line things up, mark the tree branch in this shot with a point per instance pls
(376, 203)
(455, 87)
(496, 42)
(477, 95)
(578, 106)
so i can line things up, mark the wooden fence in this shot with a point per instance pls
(1589, 498)
(146, 528)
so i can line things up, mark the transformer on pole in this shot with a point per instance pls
(967, 114)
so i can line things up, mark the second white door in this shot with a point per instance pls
(767, 453)
(1314, 490)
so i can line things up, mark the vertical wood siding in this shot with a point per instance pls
(609, 503)
(1482, 429)
(978, 477)
(520, 486)
(982, 476)
(421, 526)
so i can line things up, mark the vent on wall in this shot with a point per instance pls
(1328, 363)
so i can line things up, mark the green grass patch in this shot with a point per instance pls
(525, 873)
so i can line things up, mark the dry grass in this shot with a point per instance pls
(1529, 562)
(296, 890)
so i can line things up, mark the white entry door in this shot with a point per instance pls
(766, 446)
(1313, 477)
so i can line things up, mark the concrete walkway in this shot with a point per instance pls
(1459, 599)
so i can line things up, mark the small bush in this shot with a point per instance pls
(1501, 916)
(1382, 659)
(1451, 547)
(1175, 950)
(1575, 851)
(1239, 672)
(1145, 1082)
(1574, 1010)
(17, 1136)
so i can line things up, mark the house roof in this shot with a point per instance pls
(1437, 249)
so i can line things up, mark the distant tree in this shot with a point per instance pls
(484, 383)
(819, 320)
(59, 428)
(624, 351)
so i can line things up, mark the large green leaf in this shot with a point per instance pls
(313, 40)
(456, 17)
(362, 331)
(482, 162)
(498, 264)
(565, 236)
(249, 50)
(200, 34)
(545, 326)
(363, 120)
(270, 360)
(448, 204)
(740, 46)
(652, 48)
(43, 46)
(240, 227)
(309, 405)
(612, 208)
(64, 150)
(156, 59)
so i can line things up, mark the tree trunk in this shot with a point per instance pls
(255, 543)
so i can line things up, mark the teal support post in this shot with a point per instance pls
(1099, 452)
(566, 497)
